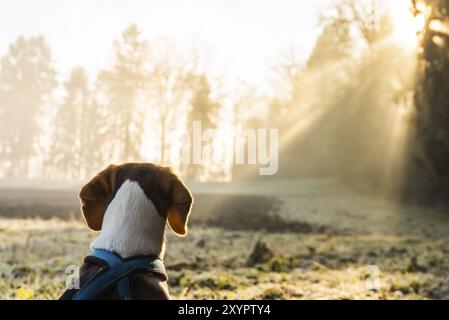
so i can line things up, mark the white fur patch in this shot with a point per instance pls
(131, 225)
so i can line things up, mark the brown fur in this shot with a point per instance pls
(169, 195)
(143, 286)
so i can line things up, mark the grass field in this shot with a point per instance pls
(324, 242)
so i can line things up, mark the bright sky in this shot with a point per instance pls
(244, 36)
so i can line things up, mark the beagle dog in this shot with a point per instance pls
(130, 204)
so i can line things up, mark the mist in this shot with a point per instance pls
(313, 137)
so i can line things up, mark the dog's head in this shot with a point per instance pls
(168, 193)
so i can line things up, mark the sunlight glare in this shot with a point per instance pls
(407, 26)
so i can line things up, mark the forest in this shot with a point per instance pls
(360, 81)
(363, 150)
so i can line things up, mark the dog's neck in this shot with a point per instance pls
(131, 225)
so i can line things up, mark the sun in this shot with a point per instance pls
(406, 25)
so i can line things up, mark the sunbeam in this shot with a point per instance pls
(407, 26)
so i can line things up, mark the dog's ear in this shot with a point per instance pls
(95, 196)
(180, 205)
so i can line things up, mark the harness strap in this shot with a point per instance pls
(122, 287)
(118, 273)
(107, 256)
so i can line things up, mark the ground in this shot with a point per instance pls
(321, 241)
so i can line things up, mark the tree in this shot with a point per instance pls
(315, 86)
(27, 80)
(346, 97)
(287, 75)
(75, 147)
(203, 109)
(169, 88)
(369, 18)
(247, 112)
(124, 86)
(431, 155)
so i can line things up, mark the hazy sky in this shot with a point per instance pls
(244, 36)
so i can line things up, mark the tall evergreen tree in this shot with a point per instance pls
(124, 85)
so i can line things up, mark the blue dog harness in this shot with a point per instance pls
(118, 272)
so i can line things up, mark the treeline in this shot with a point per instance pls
(73, 129)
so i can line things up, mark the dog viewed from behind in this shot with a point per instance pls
(130, 205)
